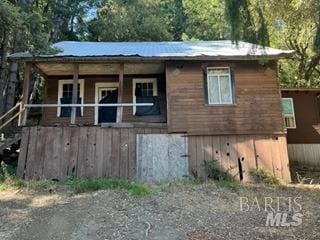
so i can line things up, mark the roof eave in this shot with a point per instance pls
(300, 89)
(138, 58)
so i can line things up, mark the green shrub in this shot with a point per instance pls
(195, 178)
(8, 179)
(94, 184)
(214, 171)
(138, 190)
(263, 176)
(37, 185)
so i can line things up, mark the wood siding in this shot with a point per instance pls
(56, 152)
(257, 107)
(304, 155)
(51, 96)
(307, 114)
(258, 151)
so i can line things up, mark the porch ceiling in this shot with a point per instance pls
(59, 69)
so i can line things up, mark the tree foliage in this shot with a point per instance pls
(287, 24)
(130, 20)
(205, 20)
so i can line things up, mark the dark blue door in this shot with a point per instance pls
(108, 114)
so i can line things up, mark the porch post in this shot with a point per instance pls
(120, 92)
(74, 92)
(25, 95)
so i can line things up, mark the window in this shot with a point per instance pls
(146, 91)
(219, 86)
(67, 90)
(65, 97)
(288, 113)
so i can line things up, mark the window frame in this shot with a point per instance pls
(286, 115)
(60, 92)
(231, 88)
(154, 81)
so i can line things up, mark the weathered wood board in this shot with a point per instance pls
(238, 154)
(304, 154)
(161, 157)
(144, 154)
(58, 152)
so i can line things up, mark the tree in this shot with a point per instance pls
(247, 21)
(129, 20)
(175, 15)
(21, 30)
(295, 25)
(284, 24)
(205, 20)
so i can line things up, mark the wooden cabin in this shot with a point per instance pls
(154, 111)
(302, 119)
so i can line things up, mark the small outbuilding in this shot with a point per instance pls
(301, 109)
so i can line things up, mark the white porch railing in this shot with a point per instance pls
(23, 109)
(3, 117)
(94, 105)
(90, 105)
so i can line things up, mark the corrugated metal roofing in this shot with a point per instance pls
(192, 49)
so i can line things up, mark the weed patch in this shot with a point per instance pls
(8, 180)
(94, 184)
(215, 172)
(263, 176)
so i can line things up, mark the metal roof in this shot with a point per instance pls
(162, 50)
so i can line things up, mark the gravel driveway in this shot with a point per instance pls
(194, 212)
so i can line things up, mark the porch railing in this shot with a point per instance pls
(24, 108)
(11, 111)
(94, 105)
(91, 105)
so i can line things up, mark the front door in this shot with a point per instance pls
(107, 95)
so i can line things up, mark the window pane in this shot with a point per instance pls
(67, 90)
(103, 93)
(150, 92)
(65, 87)
(289, 122)
(218, 71)
(213, 90)
(287, 106)
(144, 92)
(144, 89)
(225, 88)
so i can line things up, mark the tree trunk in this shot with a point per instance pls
(11, 87)
(3, 69)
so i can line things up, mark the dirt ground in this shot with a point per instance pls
(193, 212)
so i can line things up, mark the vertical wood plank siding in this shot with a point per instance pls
(257, 107)
(304, 155)
(56, 152)
(259, 151)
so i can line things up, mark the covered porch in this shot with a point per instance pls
(107, 94)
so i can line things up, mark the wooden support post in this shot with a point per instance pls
(25, 95)
(75, 92)
(120, 93)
